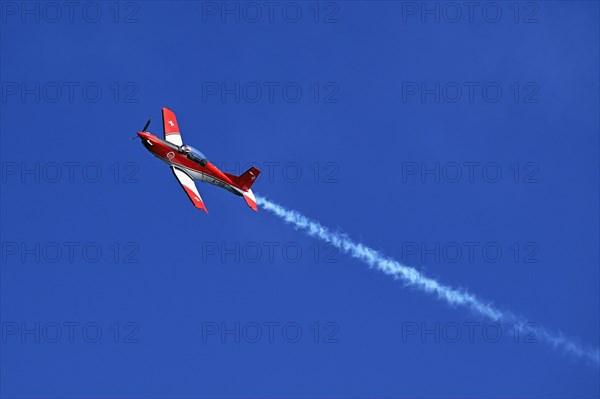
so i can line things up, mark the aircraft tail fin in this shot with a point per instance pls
(247, 179)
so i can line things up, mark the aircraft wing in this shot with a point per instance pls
(190, 188)
(170, 127)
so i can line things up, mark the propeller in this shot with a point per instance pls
(147, 124)
(145, 128)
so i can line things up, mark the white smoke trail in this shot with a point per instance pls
(414, 278)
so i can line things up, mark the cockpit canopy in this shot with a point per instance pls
(194, 154)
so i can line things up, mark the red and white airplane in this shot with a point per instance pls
(188, 164)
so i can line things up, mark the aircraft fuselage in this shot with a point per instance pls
(172, 155)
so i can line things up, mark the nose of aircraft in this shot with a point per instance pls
(142, 135)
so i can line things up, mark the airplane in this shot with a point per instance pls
(188, 164)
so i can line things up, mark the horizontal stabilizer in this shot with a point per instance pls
(250, 199)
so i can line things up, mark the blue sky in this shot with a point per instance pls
(365, 115)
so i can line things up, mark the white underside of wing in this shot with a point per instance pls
(174, 138)
(190, 188)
